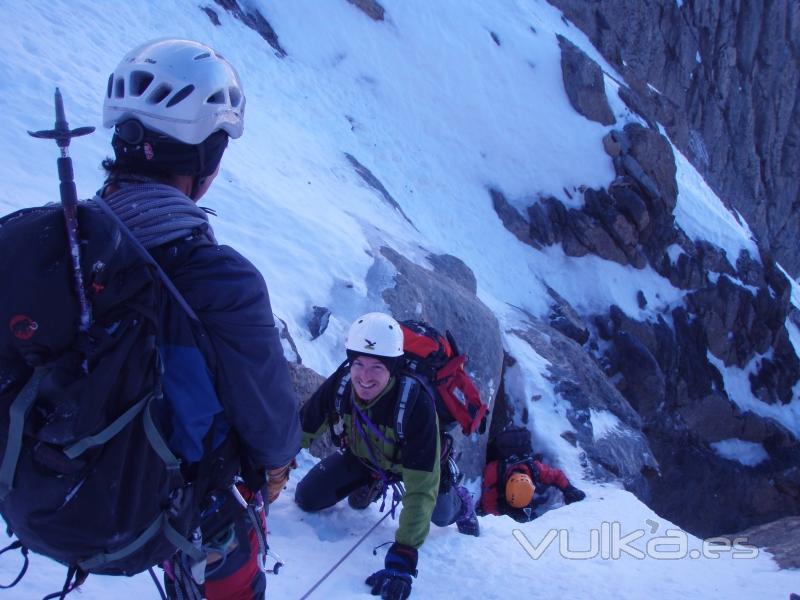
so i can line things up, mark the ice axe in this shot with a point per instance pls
(62, 134)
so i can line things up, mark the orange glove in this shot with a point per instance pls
(277, 480)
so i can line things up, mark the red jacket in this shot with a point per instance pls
(497, 472)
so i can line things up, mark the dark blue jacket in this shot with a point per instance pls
(241, 346)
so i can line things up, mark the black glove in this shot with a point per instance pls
(394, 581)
(573, 494)
(390, 584)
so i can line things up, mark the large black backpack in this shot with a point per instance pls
(512, 444)
(87, 477)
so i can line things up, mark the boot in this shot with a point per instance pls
(362, 497)
(467, 521)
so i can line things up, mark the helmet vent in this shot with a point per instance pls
(236, 96)
(158, 94)
(180, 88)
(181, 95)
(217, 97)
(139, 82)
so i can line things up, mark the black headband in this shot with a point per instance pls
(141, 149)
(392, 363)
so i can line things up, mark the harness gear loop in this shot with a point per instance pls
(14, 546)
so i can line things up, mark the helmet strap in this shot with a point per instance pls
(197, 183)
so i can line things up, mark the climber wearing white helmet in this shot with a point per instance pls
(389, 438)
(173, 105)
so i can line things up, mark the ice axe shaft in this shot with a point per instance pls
(62, 134)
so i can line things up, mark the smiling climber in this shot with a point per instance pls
(360, 404)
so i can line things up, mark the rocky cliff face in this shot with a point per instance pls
(726, 75)
(667, 368)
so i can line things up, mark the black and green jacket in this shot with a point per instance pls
(416, 462)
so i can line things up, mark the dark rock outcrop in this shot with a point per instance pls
(318, 323)
(212, 15)
(630, 223)
(455, 269)
(583, 81)
(780, 538)
(255, 21)
(511, 218)
(371, 8)
(725, 80)
(649, 160)
(375, 183)
(707, 495)
(664, 373)
(287, 341)
(562, 317)
(305, 382)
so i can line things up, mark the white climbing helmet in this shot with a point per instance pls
(178, 87)
(377, 334)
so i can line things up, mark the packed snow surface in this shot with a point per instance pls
(703, 216)
(737, 386)
(570, 543)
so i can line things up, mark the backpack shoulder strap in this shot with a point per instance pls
(340, 404)
(411, 386)
(409, 390)
(18, 413)
(341, 398)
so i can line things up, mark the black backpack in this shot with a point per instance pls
(87, 477)
(512, 444)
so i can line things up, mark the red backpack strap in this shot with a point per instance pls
(471, 412)
(453, 366)
(491, 488)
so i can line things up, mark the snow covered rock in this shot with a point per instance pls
(615, 453)
(665, 365)
(681, 396)
(253, 18)
(723, 79)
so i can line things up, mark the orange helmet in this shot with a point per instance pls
(519, 490)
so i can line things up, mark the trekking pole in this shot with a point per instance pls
(341, 560)
(62, 134)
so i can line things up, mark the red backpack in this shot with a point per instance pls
(435, 360)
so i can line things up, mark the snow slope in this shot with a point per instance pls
(439, 112)
(490, 567)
